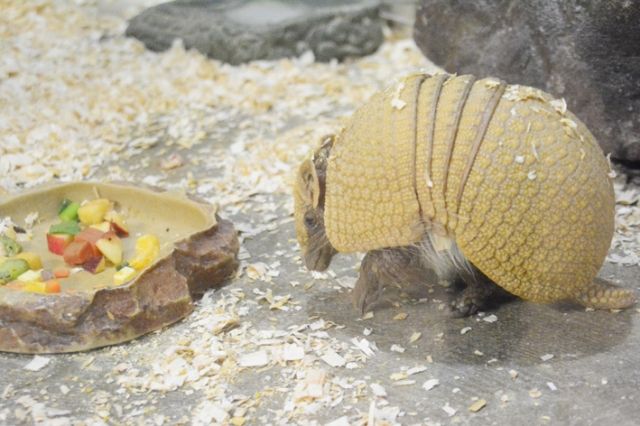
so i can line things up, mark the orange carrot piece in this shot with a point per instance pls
(61, 272)
(53, 287)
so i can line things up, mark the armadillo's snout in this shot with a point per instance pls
(319, 259)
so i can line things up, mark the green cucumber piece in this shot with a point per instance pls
(11, 269)
(63, 205)
(11, 247)
(70, 212)
(69, 227)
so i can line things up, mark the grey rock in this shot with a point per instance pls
(246, 30)
(587, 51)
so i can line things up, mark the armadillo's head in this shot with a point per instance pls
(308, 194)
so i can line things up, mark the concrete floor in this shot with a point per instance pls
(592, 378)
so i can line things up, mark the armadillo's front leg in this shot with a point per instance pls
(480, 293)
(381, 268)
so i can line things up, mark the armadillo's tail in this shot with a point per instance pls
(601, 294)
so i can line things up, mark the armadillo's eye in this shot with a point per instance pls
(309, 220)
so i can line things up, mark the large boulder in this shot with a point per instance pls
(242, 31)
(587, 51)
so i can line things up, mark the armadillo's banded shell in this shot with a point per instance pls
(370, 197)
(506, 171)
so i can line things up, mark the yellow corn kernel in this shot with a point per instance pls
(147, 249)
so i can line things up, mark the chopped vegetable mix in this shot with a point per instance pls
(87, 236)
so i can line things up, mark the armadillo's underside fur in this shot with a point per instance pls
(517, 181)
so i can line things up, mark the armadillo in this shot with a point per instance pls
(500, 177)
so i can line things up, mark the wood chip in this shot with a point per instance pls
(430, 384)
(378, 390)
(477, 405)
(292, 352)
(490, 318)
(449, 410)
(401, 316)
(312, 387)
(416, 370)
(397, 348)
(340, 421)
(37, 363)
(254, 359)
(332, 358)
(364, 345)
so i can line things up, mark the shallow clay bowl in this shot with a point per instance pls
(198, 250)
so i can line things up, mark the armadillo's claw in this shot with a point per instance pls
(367, 293)
(480, 294)
(402, 267)
(367, 302)
(464, 307)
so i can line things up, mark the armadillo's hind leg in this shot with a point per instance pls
(601, 294)
(381, 268)
(479, 294)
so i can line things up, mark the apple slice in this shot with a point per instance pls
(93, 212)
(91, 235)
(103, 226)
(58, 242)
(111, 247)
(117, 223)
(95, 265)
(78, 252)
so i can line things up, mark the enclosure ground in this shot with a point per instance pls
(277, 344)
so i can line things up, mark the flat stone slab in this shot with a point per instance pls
(242, 31)
(586, 52)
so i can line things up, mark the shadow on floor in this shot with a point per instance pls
(523, 333)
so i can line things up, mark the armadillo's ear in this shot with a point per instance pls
(309, 183)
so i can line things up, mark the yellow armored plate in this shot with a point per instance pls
(537, 212)
(370, 197)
